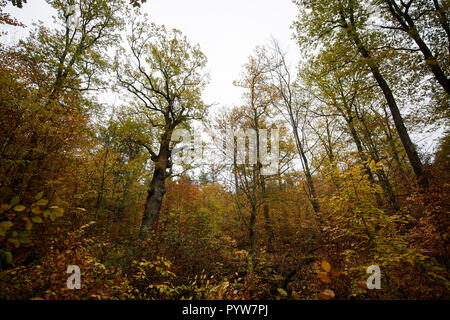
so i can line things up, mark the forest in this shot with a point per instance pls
(316, 181)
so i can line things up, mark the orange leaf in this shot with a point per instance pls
(323, 276)
(326, 266)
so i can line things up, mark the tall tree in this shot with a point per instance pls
(292, 107)
(406, 17)
(344, 22)
(163, 73)
(258, 101)
(75, 53)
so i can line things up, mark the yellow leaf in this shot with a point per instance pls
(4, 227)
(37, 219)
(39, 196)
(59, 212)
(14, 201)
(42, 202)
(19, 208)
(47, 213)
(282, 292)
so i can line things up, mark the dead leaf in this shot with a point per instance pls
(362, 285)
(327, 294)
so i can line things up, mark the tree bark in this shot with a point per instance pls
(309, 181)
(157, 188)
(410, 149)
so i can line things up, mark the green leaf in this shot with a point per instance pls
(14, 201)
(4, 227)
(39, 196)
(24, 237)
(37, 219)
(59, 212)
(28, 225)
(8, 258)
(42, 202)
(47, 213)
(19, 208)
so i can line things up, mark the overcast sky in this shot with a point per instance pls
(227, 31)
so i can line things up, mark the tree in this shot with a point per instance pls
(344, 91)
(292, 107)
(406, 17)
(163, 73)
(255, 114)
(75, 53)
(345, 22)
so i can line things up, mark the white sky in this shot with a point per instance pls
(227, 31)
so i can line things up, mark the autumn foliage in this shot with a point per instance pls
(79, 178)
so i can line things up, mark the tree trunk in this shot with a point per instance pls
(309, 181)
(268, 221)
(157, 187)
(410, 149)
(251, 229)
(408, 25)
(363, 157)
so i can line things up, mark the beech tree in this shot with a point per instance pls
(344, 22)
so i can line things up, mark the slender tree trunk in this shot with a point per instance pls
(362, 156)
(392, 143)
(408, 25)
(382, 176)
(267, 219)
(262, 182)
(251, 229)
(99, 201)
(410, 149)
(309, 181)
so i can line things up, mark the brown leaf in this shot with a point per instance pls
(362, 285)
(327, 294)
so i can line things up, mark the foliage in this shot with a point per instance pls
(87, 184)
